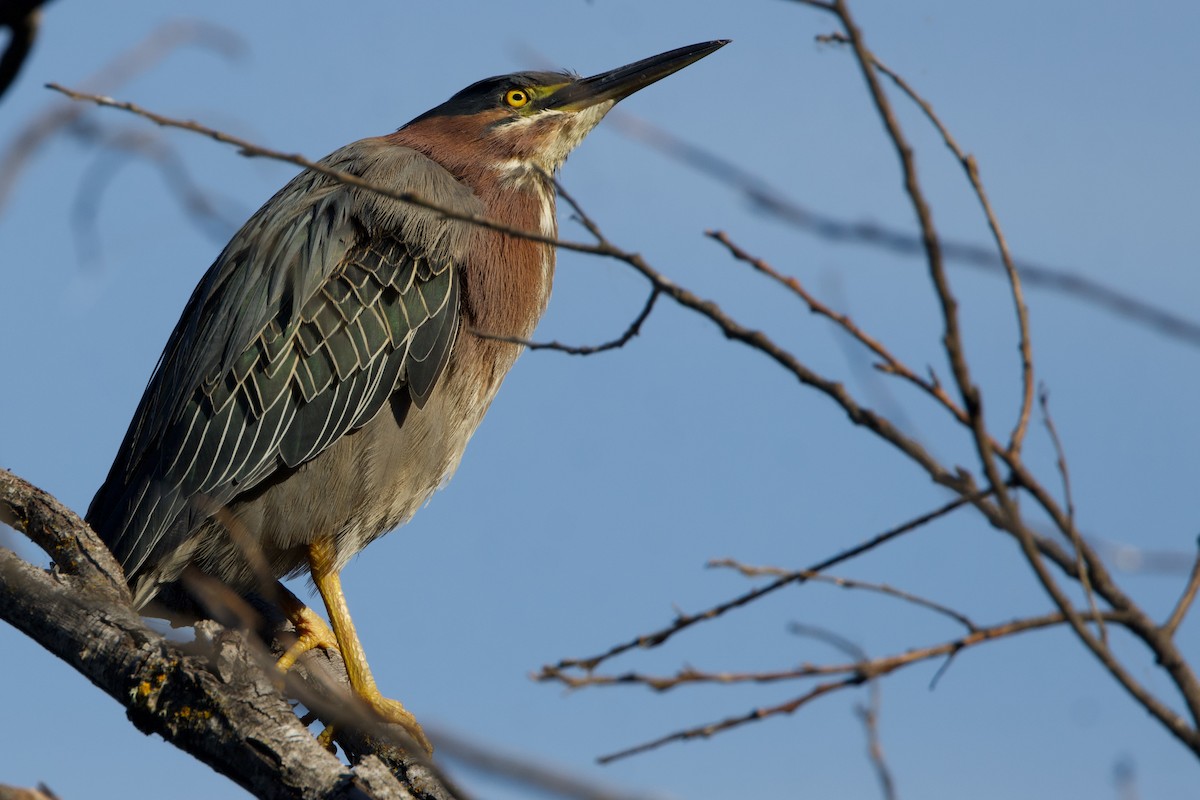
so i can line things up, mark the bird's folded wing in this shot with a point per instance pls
(325, 303)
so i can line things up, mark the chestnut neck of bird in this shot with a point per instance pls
(505, 289)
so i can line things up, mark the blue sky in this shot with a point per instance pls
(596, 490)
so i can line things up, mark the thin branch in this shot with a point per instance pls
(868, 714)
(1085, 579)
(1185, 600)
(971, 168)
(712, 728)
(1023, 478)
(931, 242)
(684, 621)
(632, 331)
(890, 364)
(848, 583)
(854, 673)
(581, 216)
(1138, 622)
(866, 667)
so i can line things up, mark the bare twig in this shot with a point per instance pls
(868, 714)
(1185, 600)
(848, 583)
(1076, 540)
(853, 673)
(683, 621)
(712, 728)
(633, 330)
(889, 364)
(971, 167)
(867, 668)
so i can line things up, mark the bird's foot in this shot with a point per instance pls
(391, 712)
(394, 712)
(311, 632)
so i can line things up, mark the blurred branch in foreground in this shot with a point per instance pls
(116, 148)
(773, 201)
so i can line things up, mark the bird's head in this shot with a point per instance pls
(528, 122)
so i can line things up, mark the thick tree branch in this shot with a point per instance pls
(213, 699)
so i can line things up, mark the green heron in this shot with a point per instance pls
(325, 375)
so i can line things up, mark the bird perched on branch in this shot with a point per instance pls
(329, 369)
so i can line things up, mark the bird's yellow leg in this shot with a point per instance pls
(321, 558)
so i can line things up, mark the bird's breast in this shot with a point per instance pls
(410, 452)
(505, 287)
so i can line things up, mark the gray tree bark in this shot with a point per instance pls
(218, 698)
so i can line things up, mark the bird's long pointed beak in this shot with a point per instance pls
(623, 81)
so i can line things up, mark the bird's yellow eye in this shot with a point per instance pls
(516, 98)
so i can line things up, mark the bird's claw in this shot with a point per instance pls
(394, 712)
(312, 632)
